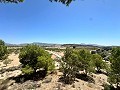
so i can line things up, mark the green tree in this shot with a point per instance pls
(74, 61)
(2, 42)
(69, 65)
(114, 76)
(85, 61)
(3, 50)
(98, 62)
(34, 57)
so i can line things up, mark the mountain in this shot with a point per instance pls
(35, 43)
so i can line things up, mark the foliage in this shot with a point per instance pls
(14, 50)
(108, 87)
(27, 69)
(34, 57)
(55, 49)
(99, 63)
(103, 54)
(75, 61)
(85, 60)
(3, 50)
(114, 76)
(11, 1)
(66, 2)
(2, 42)
(69, 66)
(7, 61)
(17, 51)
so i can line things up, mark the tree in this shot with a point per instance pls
(114, 76)
(2, 42)
(85, 61)
(99, 64)
(3, 50)
(75, 61)
(66, 2)
(12, 1)
(34, 57)
(69, 65)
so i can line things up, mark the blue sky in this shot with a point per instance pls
(88, 21)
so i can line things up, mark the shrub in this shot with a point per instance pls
(7, 61)
(34, 57)
(3, 50)
(85, 61)
(69, 66)
(98, 62)
(114, 75)
(74, 61)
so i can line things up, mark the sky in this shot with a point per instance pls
(83, 21)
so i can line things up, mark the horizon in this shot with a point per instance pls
(89, 21)
(62, 43)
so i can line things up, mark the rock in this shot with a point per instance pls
(11, 82)
(47, 80)
(38, 84)
(73, 85)
(91, 85)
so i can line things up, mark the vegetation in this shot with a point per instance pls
(55, 49)
(114, 76)
(3, 50)
(76, 60)
(66, 2)
(69, 66)
(98, 61)
(34, 58)
(12, 1)
(85, 61)
(79, 60)
(7, 61)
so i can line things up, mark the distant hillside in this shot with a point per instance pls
(81, 45)
(35, 43)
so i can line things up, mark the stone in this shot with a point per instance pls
(47, 80)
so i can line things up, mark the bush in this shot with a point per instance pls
(114, 75)
(98, 62)
(3, 50)
(7, 61)
(85, 61)
(108, 87)
(74, 61)
(34, 58)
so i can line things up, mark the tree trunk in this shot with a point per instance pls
(117, 84)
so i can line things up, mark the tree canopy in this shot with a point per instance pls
(99, 63)
(34, 57)
(12, 1)
(66, 2)
(69, 65)
(3, 50)
(114, 76)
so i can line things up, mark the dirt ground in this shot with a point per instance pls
(14, 62)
